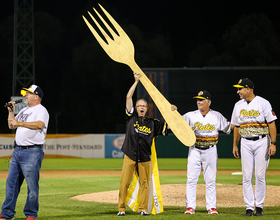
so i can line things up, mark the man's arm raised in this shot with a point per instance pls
(129, 101)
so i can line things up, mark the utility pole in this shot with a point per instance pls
(23, 54)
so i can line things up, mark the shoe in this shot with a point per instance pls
(213, 211)
(121, 213)
(144, 213)
(2, 218)
(258, 212)
(249, 212)
(189, 211)
(31, 218)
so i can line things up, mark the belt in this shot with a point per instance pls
(29, 146)
(255, 138)
(204, 148)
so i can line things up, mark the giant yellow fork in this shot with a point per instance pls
(121, 49)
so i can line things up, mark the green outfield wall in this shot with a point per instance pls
(171, 147)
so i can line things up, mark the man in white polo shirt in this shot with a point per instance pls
(31, 124)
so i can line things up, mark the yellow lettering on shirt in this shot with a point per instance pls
(142, 128)
(251, 113)
(201, 127)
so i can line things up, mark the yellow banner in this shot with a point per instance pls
(155, 204)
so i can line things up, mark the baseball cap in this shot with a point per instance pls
(203, 95)
(33, 89)
(244, 83)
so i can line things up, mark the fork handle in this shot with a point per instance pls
(174, 119)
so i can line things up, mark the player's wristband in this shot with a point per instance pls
(273, 142)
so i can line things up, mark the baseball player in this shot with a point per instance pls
(206, 124)
(254, 121)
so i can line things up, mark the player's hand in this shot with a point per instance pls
(12, 107)
(173, 107)
(272, 150)
(235, 152)
(137, 76)
(13, 123)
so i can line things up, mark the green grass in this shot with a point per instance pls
(54, 202)
(54, 192)
(116, 164)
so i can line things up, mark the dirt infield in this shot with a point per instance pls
(173, 194)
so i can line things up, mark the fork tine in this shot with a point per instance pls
(95, 34)
(113, 33)
(114, 23)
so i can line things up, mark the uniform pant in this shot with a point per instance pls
(206, 159)
(253, 156)
(128, 169)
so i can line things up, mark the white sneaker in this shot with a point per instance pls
(144, 213)
(121, 213)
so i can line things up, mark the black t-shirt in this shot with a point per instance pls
(140, 132)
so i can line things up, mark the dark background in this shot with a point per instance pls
(85, 90)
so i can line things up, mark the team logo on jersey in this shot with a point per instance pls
(251, 113)
(273, 113)
(142, 129)
(202, 127)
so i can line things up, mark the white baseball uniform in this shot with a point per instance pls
(206, 129)
(252, 118)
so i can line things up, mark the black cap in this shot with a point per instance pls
(244, 83)
(203, 95)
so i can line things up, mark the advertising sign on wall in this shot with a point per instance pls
(80, 146)
(113, 143)
(62, 145)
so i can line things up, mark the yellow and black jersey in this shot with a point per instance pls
(140, 132)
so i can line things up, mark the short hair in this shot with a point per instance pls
(141, 100)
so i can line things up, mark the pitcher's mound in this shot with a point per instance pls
(174, 195)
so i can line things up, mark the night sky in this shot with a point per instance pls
(187, 24)
(186, 21)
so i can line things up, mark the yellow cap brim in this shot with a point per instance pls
(199, 97)
(24, 90)
(238, 86)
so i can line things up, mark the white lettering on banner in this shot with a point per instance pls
(117, 154)
(155, 201)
